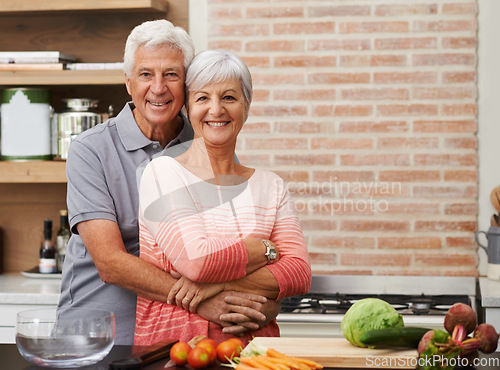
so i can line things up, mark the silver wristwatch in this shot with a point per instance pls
(271, 252)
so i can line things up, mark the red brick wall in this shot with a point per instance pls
(368, 110)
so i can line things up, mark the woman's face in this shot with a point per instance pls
(217, 112)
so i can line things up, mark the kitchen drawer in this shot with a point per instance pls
(8, 312)
(7, 335)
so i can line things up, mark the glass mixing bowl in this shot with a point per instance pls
(73, 337)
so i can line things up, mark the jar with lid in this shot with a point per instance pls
(79, 115)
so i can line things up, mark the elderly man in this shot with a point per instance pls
(102, 269)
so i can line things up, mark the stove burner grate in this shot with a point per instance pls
(339, 303)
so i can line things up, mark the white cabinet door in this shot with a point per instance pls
(8, 315)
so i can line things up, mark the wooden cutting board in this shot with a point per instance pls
(339, 353)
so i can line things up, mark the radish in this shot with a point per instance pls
(460, 315)
(488, 337)
(425, 341)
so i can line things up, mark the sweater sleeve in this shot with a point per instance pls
(293, 270)
(173, 221)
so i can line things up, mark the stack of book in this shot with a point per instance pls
(34, 60)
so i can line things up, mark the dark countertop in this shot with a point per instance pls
(11, 359)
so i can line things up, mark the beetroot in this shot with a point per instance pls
(488, 338)
(424, 341)
(460, 314)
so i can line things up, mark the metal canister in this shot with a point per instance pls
(79, 115)
(25, 115)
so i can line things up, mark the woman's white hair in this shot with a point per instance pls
(213, 66)
(157, 33)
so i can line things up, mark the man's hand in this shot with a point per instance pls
(189, 294)
(239, 312)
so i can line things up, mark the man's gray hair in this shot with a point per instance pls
(157, 33)
(213, 66)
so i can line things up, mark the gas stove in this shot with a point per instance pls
(422, 301)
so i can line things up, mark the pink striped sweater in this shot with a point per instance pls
(196, 228)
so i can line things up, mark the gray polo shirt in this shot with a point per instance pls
(102, 168)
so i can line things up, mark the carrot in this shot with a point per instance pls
(265, 360)
(251, 361)
(292, 361)
(241, 366)
(271, 352)
(310, 363)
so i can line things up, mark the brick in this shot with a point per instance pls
(445, 26)
(256, 127)
(317, 224)
(348, 143)
(322, 258)
(409, 175)
(460, 143)
(457, 8)
(341, 176)
(267, 46)
(305, 61)
(467, 242)
(446, 260)
(411, 208)
(444, 59)
(459, 42)
(459, 109)
(373, 127)
(373, 27)
(304, 28)
(239, 30)
(419, 242)
(459, 126)
(338, 78)
(256, 61)
(446, 226)
(375, 259)
(445, 192)
(469, 159)
(375, 94)
(388, 60)
(338, 44)
(277, 79)
(461, 209)
(405, 77)
(460, 92)
(293, 176)
(336, 207)
(408, 143)
(342, 110)
(375, 160)
(276, 143)
(255, 159)
(374, 225)
(460, 176)
(344, 242)
(275, 12)
(305, 94)
(354, 60)
(260, 95)
(407, 109)
(405, 9)
(304, 160)
(459, 77)
(304, 127)
(278, 110)
(233, 45)
(406, 43)
(338, 11)
(225, 13)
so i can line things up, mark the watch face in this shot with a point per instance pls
(272, 254)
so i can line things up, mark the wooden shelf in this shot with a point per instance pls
(52, 172)
(16, 6)
(64, 77)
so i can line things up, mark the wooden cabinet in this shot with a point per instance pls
(94, 31)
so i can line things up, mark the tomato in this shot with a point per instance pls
(239, 342)
(179, 353)
(211, 346)
(198, 358)
(227, 350)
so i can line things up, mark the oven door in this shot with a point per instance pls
(305, 325)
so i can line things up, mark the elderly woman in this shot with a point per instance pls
(211, 221)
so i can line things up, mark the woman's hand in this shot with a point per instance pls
(189, 294)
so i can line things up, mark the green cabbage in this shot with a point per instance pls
(368, 314)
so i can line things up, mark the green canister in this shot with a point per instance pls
(26, 129)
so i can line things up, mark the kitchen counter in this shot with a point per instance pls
(18, 289)
(490, 292)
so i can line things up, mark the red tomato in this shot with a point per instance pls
(211, 346)
(198, 358)
(227, 350)
(179, 353)
(239, 342)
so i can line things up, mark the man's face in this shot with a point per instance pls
(156, 85)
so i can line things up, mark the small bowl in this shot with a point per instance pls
(73, 337)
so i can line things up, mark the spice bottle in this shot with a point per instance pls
(62, 238)
(47, 263)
